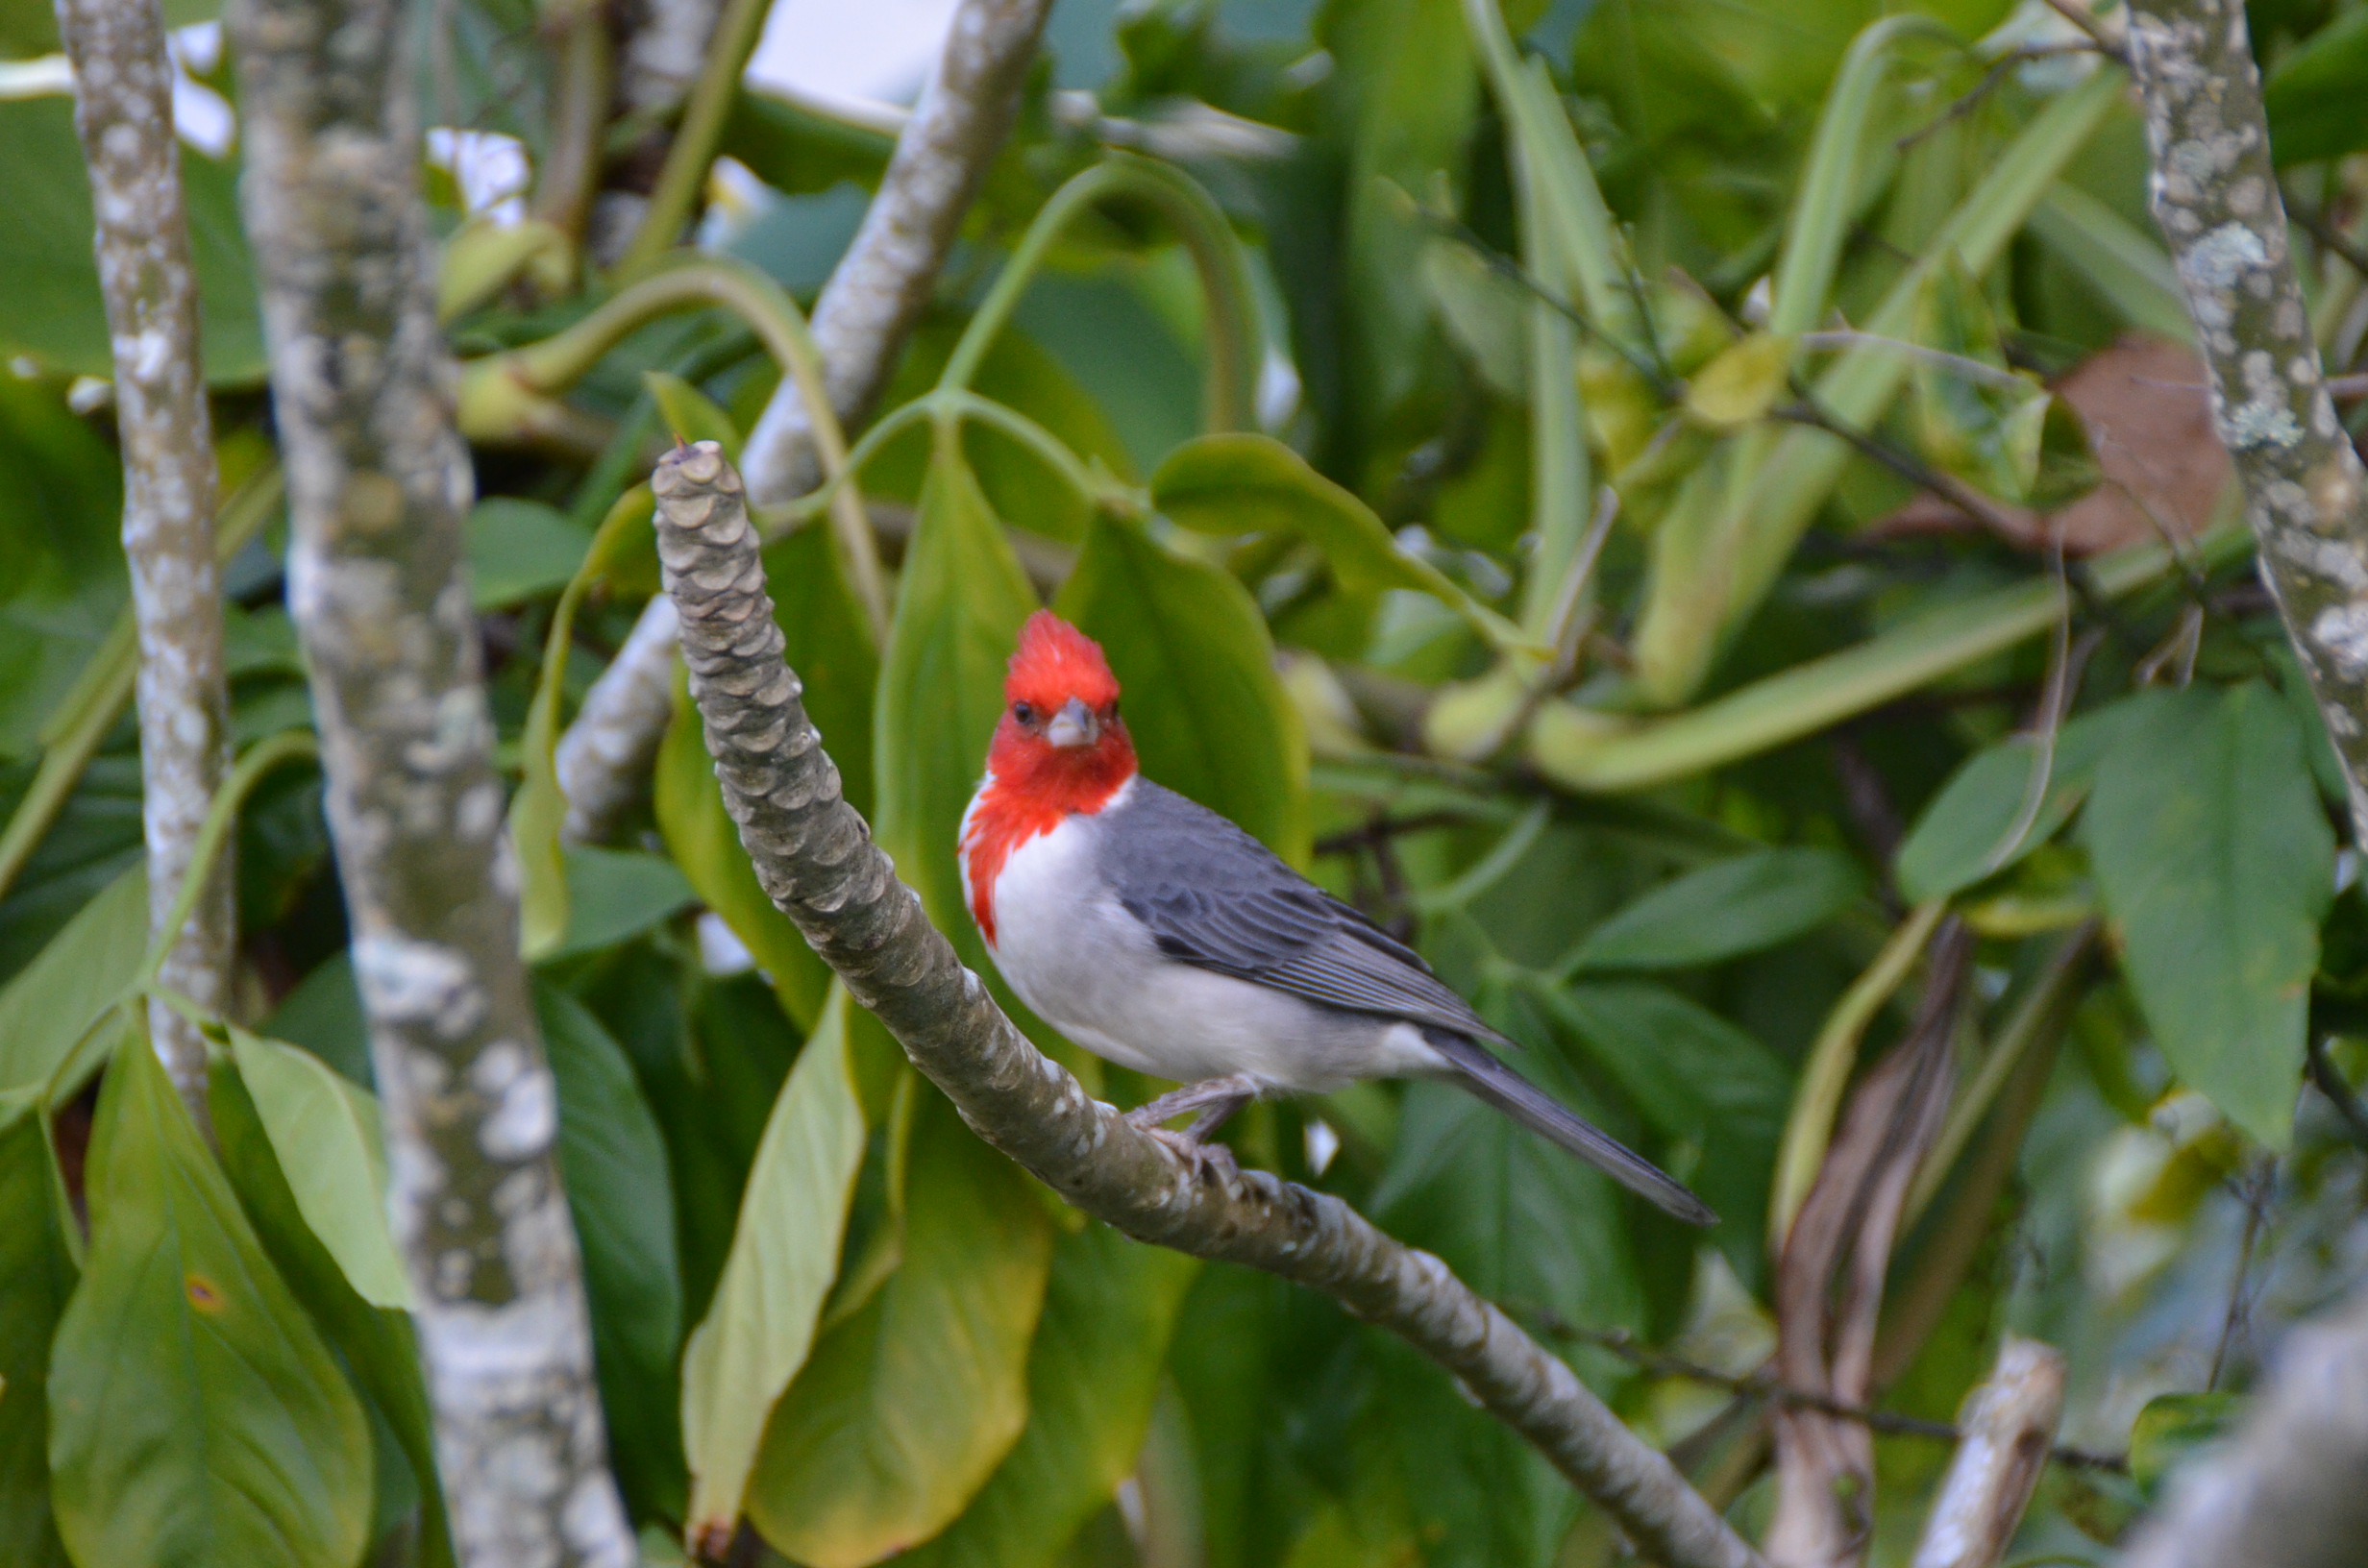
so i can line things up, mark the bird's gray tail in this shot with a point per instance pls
(1478, 1070)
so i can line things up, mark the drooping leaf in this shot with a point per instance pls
(1733, 907)
(519, 550)
(59, 998)
(2216, 865)
(1109, 1308)
(51, 308)
(958, 613)
(784, 1252)
(324, 1015)
(1716, 1094)
(903, 1411)
(616, 894)
(196, 1418)
(1968, 832)
(376, 1341)
(613, 1162)
(1195, 664)
(36, 1276)
(1236, 484)
(2313, 98)
(2170, 1429)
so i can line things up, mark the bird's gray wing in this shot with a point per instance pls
(1215, 897)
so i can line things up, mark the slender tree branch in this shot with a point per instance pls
(378, 484)
(693, 144)
(577, 32)
(2010, 1423)
(814, 855)
(124, 111)
(869, 307)
(2216, 198)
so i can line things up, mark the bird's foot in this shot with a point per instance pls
(1207, 1160)
(1215, 1098)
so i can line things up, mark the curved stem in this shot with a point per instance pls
(571, 168)
(695, 141)
(1230, 400)
(221, 814)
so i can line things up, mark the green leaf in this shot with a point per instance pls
(706, 846)
(56, 1000)
(2125, 264)
(616, 894)
(1739, 386)
(903, 1411)
(690, 414)
(520, 549)
(940, 691)
(2216, 866)
(36, 1276)
(1736, 906)
(622, 1198)
(1713, 1091)
(2313, 97)
(324, 1133)
(323, 1015)
(1968, 832)
(784, 1252)
(1985, 432)
(1110, 1307)
(376, 1341)
(827, 639)
(195, 1415)
(62, 582)
(1203, 705)
(1235, 485)
(51, 308)
(2169, 1430)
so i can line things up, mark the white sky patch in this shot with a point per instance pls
(720, 951)
(877, 52)
(492, 171)
(1322, 1144)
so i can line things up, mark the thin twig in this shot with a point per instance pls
(2332, 239)
(2079, 17)
(2330, 1080)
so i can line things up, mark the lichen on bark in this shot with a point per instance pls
(379, 482)
(2216, 198)
(123, 109)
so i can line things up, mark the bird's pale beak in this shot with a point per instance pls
(1073, 725)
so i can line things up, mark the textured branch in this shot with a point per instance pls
(865, 312)
(815, 857)
(2008, 1424)
(2285, 1491)
(2216, 199)
(124, 111)
(378, 483)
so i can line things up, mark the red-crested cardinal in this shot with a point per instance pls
(1159, 936)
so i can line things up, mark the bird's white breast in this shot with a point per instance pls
(1088, 968)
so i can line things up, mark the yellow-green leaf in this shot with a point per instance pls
(196, 1418)
(784, 1251)
(903, 1411)
(1982, 428)
(55, 1001)
(1742, 384)
(690, 414)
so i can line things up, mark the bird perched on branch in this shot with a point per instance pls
(1159, 936)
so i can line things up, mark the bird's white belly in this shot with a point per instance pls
(1091, 970)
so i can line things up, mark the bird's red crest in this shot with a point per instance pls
(1032, 785)
(1055, 662)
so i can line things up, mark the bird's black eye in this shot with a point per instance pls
(1024, 713)
(1110, 714)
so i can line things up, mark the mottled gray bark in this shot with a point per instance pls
(814, 855)
(123, 108)
(662, 52)
(2216, 198)
(2009, 1426)
(2287, 1491)
(865, 312)
(603, 759)
(378, 484)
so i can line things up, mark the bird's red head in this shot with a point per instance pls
(1061, 744)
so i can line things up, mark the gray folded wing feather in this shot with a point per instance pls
(1215, 897)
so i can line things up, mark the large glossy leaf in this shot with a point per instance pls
(2216, 865)
(1716, 1096)
(618, 1191)
(37, 1275)
(520, 549)
(58, 998)
(1109, 1309)
(1733, 907)
(1986, 818)
(51, 308)
(1207, 714)
(784, 1252)
(376, 1341)
(827, 640)
(62, 582)
(196, 1418)
(903, 1411)
(958, 614)
(616, 894)
(324, 1132)
(1236, 484)
(2313, 96)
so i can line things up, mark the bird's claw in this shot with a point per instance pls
(1205, 1159)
